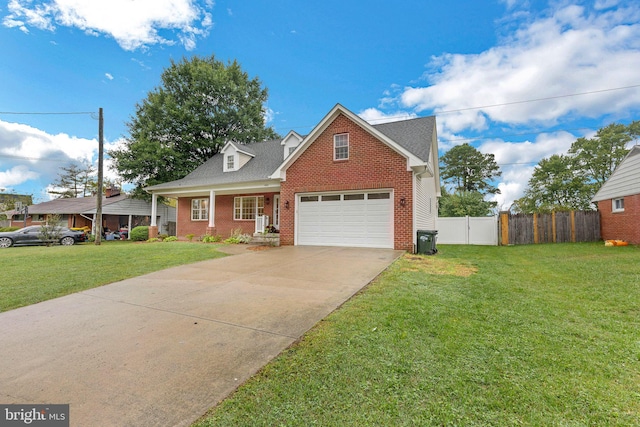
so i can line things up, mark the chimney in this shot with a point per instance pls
(112, 192)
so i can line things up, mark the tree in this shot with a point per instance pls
(51, 231)
(570, 182)
(555, 186)
(464, 203)
(200, 105)
(469, 170)
(75, 180)
(596, 158)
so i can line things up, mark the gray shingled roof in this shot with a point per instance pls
(72, 205)
(415, 135)
(268, 156)
(625, 180)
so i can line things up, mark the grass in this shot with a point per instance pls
(538, 335)
(32, 274)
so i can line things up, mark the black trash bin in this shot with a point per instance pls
(427, 242)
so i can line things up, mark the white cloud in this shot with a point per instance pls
(572, 51)
(108, 75)
(565, 50)
(517, 160)
(133, 24)
(16, 176)
(375, 116)
(32, 158)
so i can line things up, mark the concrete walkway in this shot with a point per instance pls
(161, 349)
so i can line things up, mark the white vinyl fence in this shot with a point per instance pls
(468, 230)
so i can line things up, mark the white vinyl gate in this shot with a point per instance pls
(468, 230)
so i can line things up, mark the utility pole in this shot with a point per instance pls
(100, 177)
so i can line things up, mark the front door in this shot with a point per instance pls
(276, 211)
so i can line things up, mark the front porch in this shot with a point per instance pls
(226, 215)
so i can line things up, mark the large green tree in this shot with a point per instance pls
(469, 173)
(565, 182)
(467, 169)
(200, 105)
(596, 158)
(464, 203)
(554, 186)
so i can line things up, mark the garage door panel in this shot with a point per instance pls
(353, 220)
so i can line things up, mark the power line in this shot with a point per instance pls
(50, 113)
(539, 99)
(406, 116)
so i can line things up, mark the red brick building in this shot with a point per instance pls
(619, 201)
(346, 183)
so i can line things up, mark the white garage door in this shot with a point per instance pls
(363, 219)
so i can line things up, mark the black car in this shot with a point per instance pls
(33, 236)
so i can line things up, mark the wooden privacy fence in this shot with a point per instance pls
(555, 227)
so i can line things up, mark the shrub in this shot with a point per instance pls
(190, 236)
(153, 240)
(170, 239)
(238, 236)
(139, 234)
(162, 236)
(211, 239)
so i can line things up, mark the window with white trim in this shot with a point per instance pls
(341, 146)
(617, 205)
(230, 162)
(199, 209)
(247, 208)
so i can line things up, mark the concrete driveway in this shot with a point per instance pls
(161, 349)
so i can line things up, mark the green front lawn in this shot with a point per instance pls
(539, 335)
(32, 274)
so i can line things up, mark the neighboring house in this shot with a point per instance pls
(619, 201)
(347, 183)
(118, 211)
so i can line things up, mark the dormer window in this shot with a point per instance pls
(341, 146)
(290, 143)
(235, 156)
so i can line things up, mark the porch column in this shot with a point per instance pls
(212, 213)
(153, 228)
(129, 227)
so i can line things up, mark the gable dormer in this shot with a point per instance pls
(235, 156)
(290, 142)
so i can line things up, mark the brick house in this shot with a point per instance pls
(346, 183)
(619, 201)
(118, 211)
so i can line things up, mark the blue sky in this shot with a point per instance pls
(519, 79)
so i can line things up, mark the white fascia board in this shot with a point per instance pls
(292, 133)
(236, 148)
(233, 188)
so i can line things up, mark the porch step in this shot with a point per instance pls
(271, 239)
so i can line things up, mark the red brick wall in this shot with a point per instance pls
(224, 222)
(371, 164)
(621, 225)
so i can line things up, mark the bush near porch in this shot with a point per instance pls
(534, 335)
